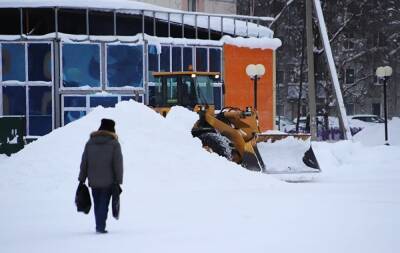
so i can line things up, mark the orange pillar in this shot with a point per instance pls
(239, 88)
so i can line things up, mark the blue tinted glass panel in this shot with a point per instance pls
(13, 61)
(14, 100)
(39, 62)
(218, 98)
(152, 96)
(73, 115)
(187, 59)
(103, 101)
(71, 101)
(201, 59)
(81, 65)
(40, 125)
(40, 110)
(165, 59)
(127, 98)
(153, 58)
(215, 60)
(40, 100)
(176, 59)
(124, 66)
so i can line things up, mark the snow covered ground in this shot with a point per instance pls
(374, 134)
(179, 198)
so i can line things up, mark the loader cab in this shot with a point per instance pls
(186, 89)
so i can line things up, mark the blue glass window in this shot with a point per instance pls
(70, 116)
(201, 59)
(176, 59)
(103, 101)
(165, 59)
(153, 61)
(81, 65)
(217, 98)
(127, 98)
(187, 59)
(74, 101)
(14, 100)
(124, 66)
(13, 61)
(40, 110)
(215, 60)
(39, 62)
(153, 58)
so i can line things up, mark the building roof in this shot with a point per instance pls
(231, 24)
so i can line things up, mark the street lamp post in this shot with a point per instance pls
(255, 72)
(385, 73)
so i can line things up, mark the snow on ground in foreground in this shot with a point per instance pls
(374, 134)
(179, 198)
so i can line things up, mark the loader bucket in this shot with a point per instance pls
(287, 154)
(251, 157)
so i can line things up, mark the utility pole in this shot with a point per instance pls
(310, 62)
(343, 121)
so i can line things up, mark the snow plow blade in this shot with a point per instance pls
(287, 154)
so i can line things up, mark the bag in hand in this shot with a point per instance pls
(116, 191)
(82, 199)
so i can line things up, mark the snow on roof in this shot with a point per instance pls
(261, 43)
(127, 6)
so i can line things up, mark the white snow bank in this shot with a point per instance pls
(179, 198)
(374, 134)
(150, 143)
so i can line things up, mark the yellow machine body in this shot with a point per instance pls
(231, 132)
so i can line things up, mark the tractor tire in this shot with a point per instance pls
(217, 143)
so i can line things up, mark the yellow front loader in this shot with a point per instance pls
(231, 132)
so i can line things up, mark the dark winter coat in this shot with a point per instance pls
(102, 160)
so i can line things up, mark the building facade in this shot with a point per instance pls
(209, 6)
(59, 61)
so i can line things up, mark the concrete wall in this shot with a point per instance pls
(221, 6)
(174, 4)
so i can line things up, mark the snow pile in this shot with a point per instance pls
(150, 145)
(374, 134)
(179, 198)
(262, 43)
(284, 155)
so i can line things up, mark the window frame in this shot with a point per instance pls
(207, 57)
(130, 88)
(27, 84)
(346, 76)
(87, 109)
(101, 85)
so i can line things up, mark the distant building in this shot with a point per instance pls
(209, 6)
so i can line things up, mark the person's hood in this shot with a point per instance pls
(102, 136)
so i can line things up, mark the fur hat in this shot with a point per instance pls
(107, 125)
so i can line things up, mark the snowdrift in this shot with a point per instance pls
(374, 134)
(179, 198)
(152, 145)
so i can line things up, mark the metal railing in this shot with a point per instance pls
(251, 26)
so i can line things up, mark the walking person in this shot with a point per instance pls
(102, 164)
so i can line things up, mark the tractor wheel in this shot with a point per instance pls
(217, 143)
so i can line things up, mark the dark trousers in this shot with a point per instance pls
(101, 199)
